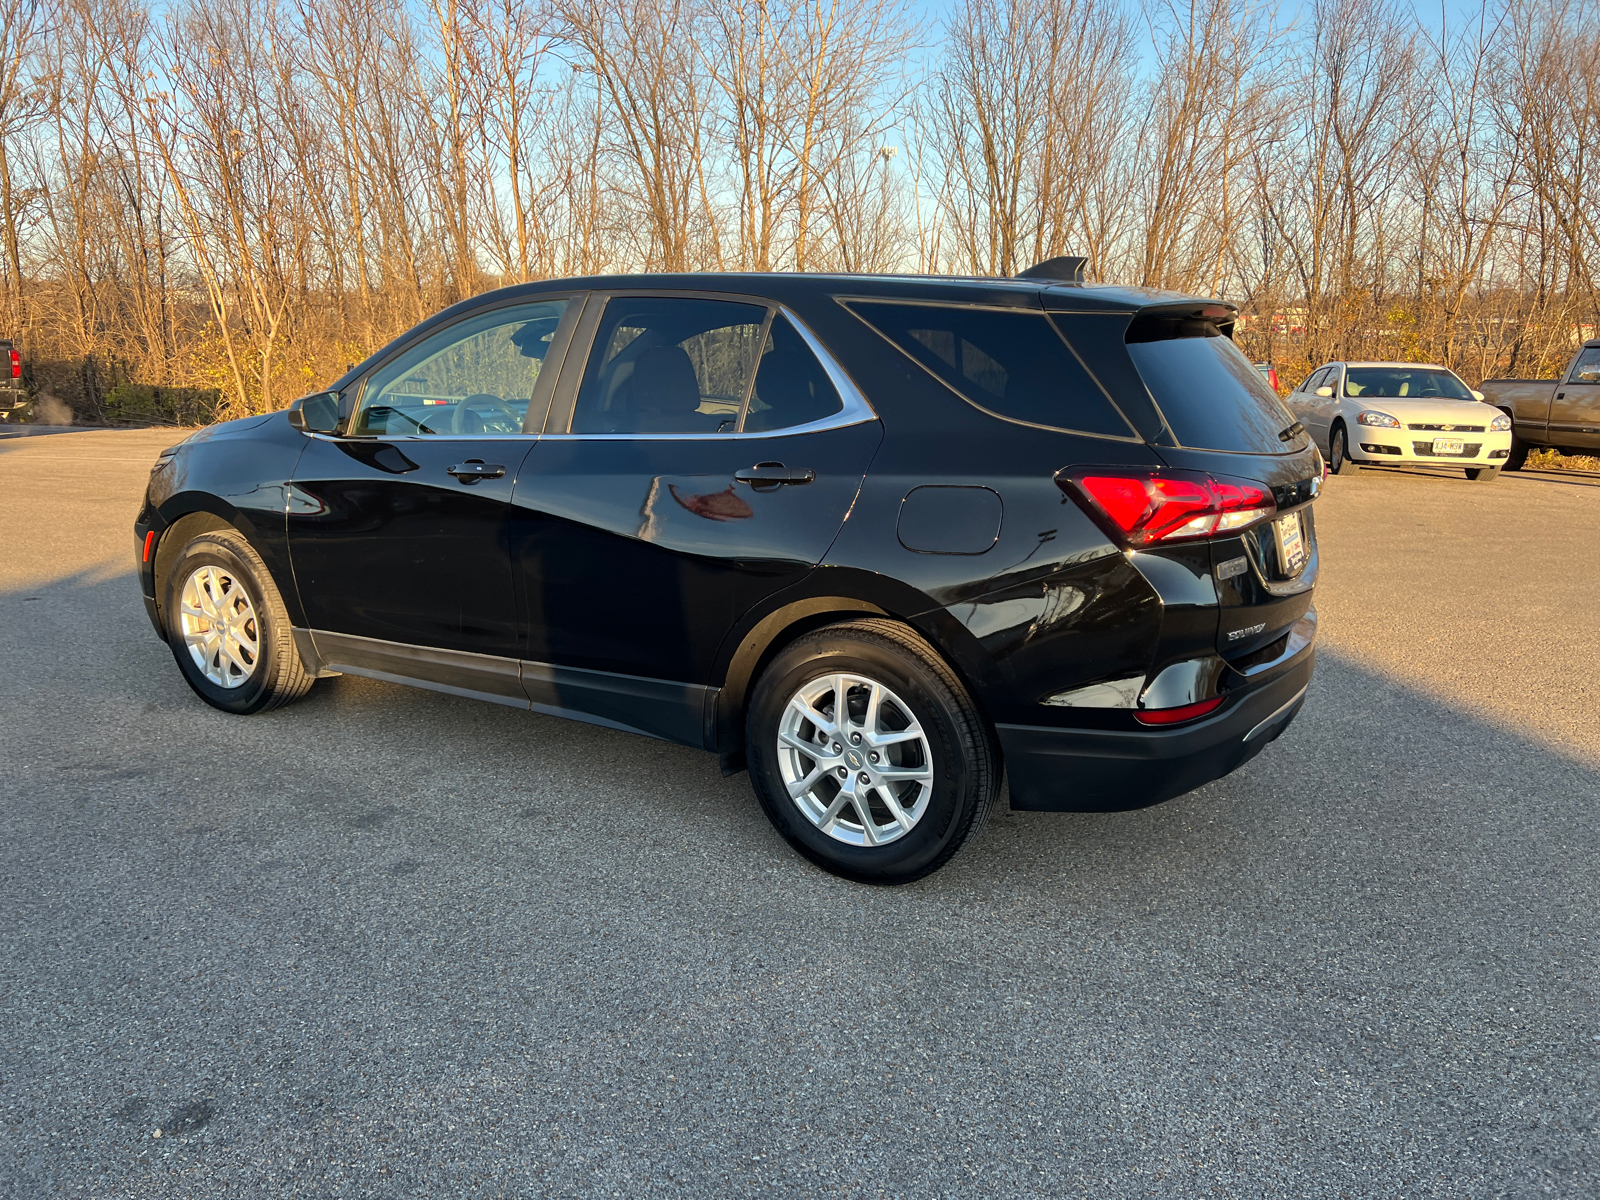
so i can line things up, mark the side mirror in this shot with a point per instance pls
(1324, 392)
(316, 413)
(1476, 394)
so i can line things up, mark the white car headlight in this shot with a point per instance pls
(1384, 420)
(1501, 423)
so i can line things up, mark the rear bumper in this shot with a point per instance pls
(1095, 770)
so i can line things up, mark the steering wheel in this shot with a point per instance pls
(484, 398)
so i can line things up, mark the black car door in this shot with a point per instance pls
(700, 457)
(397, 523)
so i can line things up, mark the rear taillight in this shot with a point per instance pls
(1146, 507)
(16, 365)
(1272, 377)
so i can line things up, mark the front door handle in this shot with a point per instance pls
(773, 474)
(475, 469)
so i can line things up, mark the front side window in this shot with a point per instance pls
(474, 377)
(1009, 361)
(1404, 383)
(1313, 381)
(1587, 368)
(666, 364)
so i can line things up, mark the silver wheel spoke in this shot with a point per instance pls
(801, 786)
(897, 774)
(869, 829)
(892, 803)
(894, 737)
(795, 742)
(803, 708)
(830, 816)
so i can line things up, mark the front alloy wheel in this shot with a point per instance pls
(226, 624)
(219, 626)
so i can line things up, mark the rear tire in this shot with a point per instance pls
(228, 629)
(1339, 460)
(917, 756)
(1483, 474)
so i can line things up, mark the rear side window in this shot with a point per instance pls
(1211, 395)
(1008, 361)
(791, 386)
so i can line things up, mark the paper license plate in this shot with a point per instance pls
(1449, 446)
(1291, 543)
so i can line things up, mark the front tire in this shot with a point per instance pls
(1483, 474)
(1339, 460)
(228, 629)
(867, 753)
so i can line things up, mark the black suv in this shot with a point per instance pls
(881, 539)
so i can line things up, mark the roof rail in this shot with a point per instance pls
(1068, 268)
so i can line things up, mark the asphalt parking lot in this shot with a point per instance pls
(391, 943)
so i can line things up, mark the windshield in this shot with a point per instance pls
(1405, 383)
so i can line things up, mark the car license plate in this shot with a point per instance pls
(1449, 446)
(1291, 543)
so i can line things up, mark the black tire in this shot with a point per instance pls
(1518, 457)
(276, 675)
(965, 776)
(1339, 460)
(1483, 474)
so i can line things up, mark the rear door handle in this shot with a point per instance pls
(773, 475)
(473, 470)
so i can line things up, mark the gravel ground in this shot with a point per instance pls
(392, 943)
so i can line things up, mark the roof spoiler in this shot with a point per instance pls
(1064, 268)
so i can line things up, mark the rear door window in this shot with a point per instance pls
(670, 364)
(1211, 395)
(1010, 362)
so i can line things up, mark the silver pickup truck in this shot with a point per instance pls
(1563, 413)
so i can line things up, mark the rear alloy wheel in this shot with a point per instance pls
(868, 755)
(1339, 460)
(1483, 474)
(227, 627)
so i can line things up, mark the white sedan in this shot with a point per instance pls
(1366, 413)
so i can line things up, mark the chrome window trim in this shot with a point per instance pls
(854, 409)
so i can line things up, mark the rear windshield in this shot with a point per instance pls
(1408, 383)
(1211, 395)
(1009, 361)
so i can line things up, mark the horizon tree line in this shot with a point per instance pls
(247, 195)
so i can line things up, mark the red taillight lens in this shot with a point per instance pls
(1145, 507)
(1272, 377)
(16, 365)
(1172, 716)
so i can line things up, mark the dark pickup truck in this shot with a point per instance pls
(1561, 413)
(13, 396)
